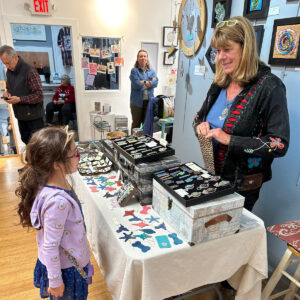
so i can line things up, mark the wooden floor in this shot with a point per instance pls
(18, 251)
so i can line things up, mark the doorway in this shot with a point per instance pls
(48, 48)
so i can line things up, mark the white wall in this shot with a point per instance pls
(143, 21)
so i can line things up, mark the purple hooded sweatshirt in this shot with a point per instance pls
(60, 222)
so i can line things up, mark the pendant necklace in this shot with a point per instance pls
(225, 111)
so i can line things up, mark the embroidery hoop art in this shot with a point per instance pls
(284, 49)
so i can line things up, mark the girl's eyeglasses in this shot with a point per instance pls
(227, 23)
(76, 154)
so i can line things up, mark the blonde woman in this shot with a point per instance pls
(245, 111)
(143, 81)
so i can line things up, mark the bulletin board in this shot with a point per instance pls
(101, 62)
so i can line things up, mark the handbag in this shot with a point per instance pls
(207, 153)
(165, 107)
(84, 275)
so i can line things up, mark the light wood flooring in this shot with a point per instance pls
(18, 251)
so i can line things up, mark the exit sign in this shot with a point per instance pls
(41, 7)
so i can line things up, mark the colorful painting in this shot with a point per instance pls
(221, 11)
(285, 42)
(211, 55)
(255, 5)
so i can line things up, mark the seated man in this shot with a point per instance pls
(62, 101)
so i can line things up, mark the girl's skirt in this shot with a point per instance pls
(76, 287)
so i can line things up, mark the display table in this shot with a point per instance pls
(162, 272)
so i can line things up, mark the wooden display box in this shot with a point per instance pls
(202, 222)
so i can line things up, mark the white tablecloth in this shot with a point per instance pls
(131, 274)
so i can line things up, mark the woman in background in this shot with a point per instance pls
(62, 101)
(143, 81)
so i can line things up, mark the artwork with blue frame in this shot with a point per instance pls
(256, 9)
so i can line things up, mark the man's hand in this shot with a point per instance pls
(60, 102)
(13, 100)
(6, 94)
(57, 292)
(219, 135)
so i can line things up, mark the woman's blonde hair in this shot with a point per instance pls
(239, 30)
(137, 63)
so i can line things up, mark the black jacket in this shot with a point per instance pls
(258, 123)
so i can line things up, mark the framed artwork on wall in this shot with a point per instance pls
(256, 9)
(169, 36)
(28, 32)
(210, 55)
(221, 11)
(285, 48)
(168, 61)
(259, 34)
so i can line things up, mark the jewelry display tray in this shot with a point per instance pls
(190, 175)
(122, 145)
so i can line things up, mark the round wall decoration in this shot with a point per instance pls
(192, 21)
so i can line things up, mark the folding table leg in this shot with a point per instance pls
(272, 282)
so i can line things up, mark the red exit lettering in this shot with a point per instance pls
(41, 6)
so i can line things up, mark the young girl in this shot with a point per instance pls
(49, 204)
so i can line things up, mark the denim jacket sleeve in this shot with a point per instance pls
(152, 75)
(274, 140)
(135, 79)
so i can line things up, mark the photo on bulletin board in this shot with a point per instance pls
(259, 34)
(168, 61)
(256, 9)
(284, 50)
(169, 36)
(211, 55)
(221, 11)
(98, 63)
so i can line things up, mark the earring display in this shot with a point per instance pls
(191, 184)
(140, 149)
(92, 161)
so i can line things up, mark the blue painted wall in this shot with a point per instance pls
(280, 198)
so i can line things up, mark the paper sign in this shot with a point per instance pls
(92, 68)
(199, 70)
(95, 52)
(119, 61)
(90, 79)
(274, 10)
(110, 68)
(84, 62)
(115, 48)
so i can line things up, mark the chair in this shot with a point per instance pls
(165, 123)
(290, 233)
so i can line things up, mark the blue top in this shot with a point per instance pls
(137, 88)
(219, 111)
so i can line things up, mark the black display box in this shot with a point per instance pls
(191, 184)
(137, 150)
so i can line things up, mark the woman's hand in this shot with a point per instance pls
(57, 292)
(219, 135)
(203, 128)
